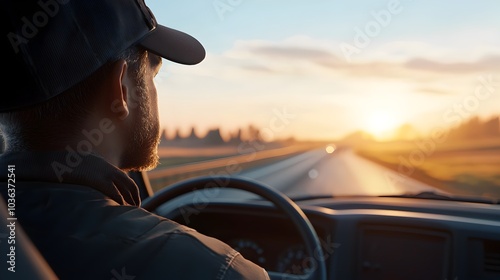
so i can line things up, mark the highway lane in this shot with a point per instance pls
(340, 173)
(308, 174)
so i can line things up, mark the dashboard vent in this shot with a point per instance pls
(491, 258)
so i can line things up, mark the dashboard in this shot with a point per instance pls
(260, 234)
(363, 238)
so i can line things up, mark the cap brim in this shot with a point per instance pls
(174, 45)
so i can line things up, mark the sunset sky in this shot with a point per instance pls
(322, 69)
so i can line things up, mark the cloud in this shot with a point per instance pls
(260, 67)
(257, 68)
(292, 52)
(485, 64)
(268, 55)
(433, 91)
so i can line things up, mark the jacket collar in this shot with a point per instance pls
(70, 167)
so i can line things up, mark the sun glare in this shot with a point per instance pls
(381, 123)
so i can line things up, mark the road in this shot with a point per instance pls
(341, 172)
(314, 173)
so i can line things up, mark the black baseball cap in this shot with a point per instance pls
(54, 44)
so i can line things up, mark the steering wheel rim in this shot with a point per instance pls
(279, 200)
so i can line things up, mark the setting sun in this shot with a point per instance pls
(380, 123)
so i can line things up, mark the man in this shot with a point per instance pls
(83, 113)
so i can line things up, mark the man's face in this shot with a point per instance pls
(142, 148)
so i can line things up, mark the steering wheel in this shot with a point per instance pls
(279, 200)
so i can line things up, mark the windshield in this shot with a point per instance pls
(320, 98)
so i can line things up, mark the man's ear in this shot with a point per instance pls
(119, 88)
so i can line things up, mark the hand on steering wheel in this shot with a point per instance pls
(279, 200)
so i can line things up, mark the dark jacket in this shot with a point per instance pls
(85, 218)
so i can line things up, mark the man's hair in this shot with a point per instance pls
(68, 110)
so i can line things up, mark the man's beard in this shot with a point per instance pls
(142, 149)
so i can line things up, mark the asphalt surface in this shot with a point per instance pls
(339, 173)
(311, 174)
